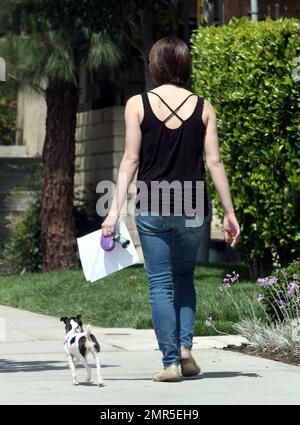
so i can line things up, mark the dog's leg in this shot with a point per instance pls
(96, 356)
(73, 369)
(87, 368)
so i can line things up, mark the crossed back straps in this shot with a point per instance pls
(173, 111)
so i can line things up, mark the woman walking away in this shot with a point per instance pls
(168, 129)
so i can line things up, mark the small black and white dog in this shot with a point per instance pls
(78, 343)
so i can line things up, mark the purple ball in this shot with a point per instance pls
(107, 243)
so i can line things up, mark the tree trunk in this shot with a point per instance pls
(57, 220)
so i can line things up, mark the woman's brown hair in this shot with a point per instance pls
(170, 61)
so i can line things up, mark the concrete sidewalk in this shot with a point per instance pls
(34, 370)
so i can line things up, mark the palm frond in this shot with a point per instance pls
(103, 52)
(60, 64)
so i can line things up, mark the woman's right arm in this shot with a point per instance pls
(217, 171)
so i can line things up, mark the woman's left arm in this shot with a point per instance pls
(128, 166)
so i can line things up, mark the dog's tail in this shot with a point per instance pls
(88, 331)
(89, 340)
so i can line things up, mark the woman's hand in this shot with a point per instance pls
(109, 225)
(231, 229)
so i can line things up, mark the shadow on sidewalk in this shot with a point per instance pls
(228, 374)
(206, 375)
(10, 366)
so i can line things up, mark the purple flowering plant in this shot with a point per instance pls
(279, 294)
(228, 280)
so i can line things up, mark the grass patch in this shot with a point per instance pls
(122, 299)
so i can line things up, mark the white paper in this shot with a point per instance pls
(97, 263)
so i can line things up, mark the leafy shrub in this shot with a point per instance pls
(8, 109)
(22, 252)
(246, 70)
(8, 117)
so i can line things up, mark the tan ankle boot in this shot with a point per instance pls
(188, 364)
(168, 374)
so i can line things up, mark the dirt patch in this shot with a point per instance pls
(271, 354)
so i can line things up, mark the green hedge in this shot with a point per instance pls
(245, 70)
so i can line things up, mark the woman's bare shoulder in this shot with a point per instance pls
(208, 112)
(134, 100)
(134, 107)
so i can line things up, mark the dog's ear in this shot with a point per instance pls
(63, 319)
(78, 316)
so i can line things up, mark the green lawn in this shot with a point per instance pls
(122, 299)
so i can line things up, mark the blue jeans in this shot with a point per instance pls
(170, 247)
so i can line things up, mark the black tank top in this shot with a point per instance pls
(171, 154)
